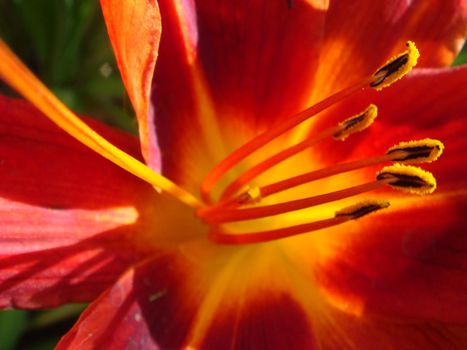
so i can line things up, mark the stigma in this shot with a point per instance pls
(244, 200)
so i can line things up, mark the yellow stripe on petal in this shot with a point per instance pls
(19, 77)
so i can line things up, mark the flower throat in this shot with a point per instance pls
(241, 201)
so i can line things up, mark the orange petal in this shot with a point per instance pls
(355, 45)
(268, 322)
(225, 62)
(68, 216)
(344, 331)
(260, 57)
(407, 262)
(143, 309)
(154, 305)
(134, 28)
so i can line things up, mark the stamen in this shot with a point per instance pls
(218, 236)
(344, 129)
(404, 154)
(361, 209)
(19, 77)
(408, 179)
(265, 165)
(298, 180)
(350, 213)
(357, 123)
(222, 215)
(396, 67)
(420, 151)
(393, 70)
(264, 138)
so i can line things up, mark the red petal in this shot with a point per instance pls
(410, 261)
(269, 322)
(143, 309)
(344, 331)
(134, 28)
(259, 57)
(356, 45)
(66, 213)
(411, 109)
(158, 305)
(147, 309)
(221, 62)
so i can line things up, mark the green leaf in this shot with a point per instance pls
(12, 326)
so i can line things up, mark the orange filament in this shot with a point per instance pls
(320, 174)
(264, 138)
(344, 129)
(283, 185)
(274, 160)
(352, 212)
(223, 215)
(218, 236)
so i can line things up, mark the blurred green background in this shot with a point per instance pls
(66, 44)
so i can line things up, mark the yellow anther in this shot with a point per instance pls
(361, 209)
(357, 123)
(419, 151)
(408, 179)
(395, 68)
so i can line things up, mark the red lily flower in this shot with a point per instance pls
(170, 274)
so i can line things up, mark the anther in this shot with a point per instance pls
(361, 209)
(408, 179)
(396, 67)
(357, 123)
(420, 151)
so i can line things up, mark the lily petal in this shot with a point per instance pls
(350, 53)
(260, 57)
(271, 322)
(142, 310)
(344, 331)
(157, 305)
(406, 263)
(225, 64)
(134, 28)
(67, 215)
